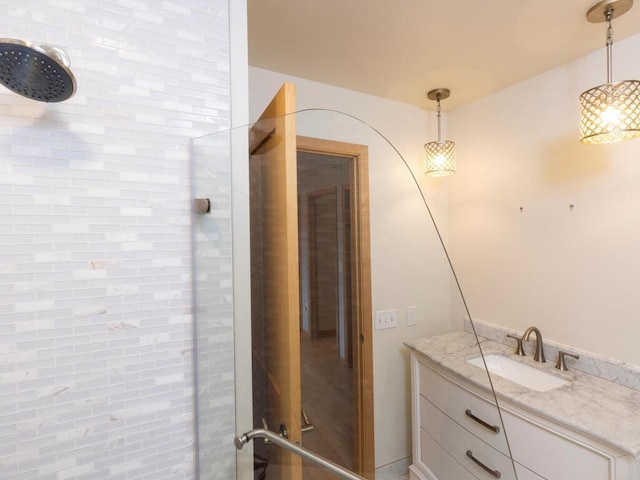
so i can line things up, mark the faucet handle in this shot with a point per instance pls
(561, 365)
(519, 349)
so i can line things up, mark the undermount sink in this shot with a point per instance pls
(519, 373)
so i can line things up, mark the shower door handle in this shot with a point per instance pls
(283, 432)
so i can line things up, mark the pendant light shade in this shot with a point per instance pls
(610, 112)
(440, 159)
(440, 156)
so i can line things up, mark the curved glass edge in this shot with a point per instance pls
(410, 267)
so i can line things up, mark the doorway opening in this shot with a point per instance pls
(335, 313)
(276, 328)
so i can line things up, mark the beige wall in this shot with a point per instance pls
(573, 273)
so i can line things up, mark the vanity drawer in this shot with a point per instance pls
(441, 432)
(554, 456)
(467, 409)
(536, 447)
(439, 462)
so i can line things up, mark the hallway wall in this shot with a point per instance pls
(96, 371)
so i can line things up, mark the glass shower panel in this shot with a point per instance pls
(381, 331)
(421, 328)
(213, 306)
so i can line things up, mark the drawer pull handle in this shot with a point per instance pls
(495, 473)
(493, 428)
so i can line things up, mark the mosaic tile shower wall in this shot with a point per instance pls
(96, 350)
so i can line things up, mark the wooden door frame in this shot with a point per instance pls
(314, 330)
(364, 451)
(345, 191)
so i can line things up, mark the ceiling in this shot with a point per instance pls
(400, 49)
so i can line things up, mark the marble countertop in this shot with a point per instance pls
(598, 408)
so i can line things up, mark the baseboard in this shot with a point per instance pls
(394, 471)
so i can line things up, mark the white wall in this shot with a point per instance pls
(408, 265)
(96, 370)
(573, 273)
(239, 76)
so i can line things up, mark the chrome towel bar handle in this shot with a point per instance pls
(242, 440)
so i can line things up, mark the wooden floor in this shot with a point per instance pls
(327, 397)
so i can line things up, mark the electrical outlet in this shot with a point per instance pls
(385, 319)
(411, 316)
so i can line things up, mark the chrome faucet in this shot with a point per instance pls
(539, 355)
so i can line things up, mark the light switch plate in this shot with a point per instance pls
(412, 316)
(385, 319)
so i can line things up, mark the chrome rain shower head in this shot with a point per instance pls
(38, 72)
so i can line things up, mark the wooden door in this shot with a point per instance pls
(274, 275)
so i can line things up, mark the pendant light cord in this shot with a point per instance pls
(609, 16)
(439, 130)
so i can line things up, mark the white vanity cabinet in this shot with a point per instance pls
(458, 435)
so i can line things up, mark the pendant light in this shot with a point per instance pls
(610, 112)
(440, 159)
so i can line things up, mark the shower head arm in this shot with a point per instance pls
(56, 52)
